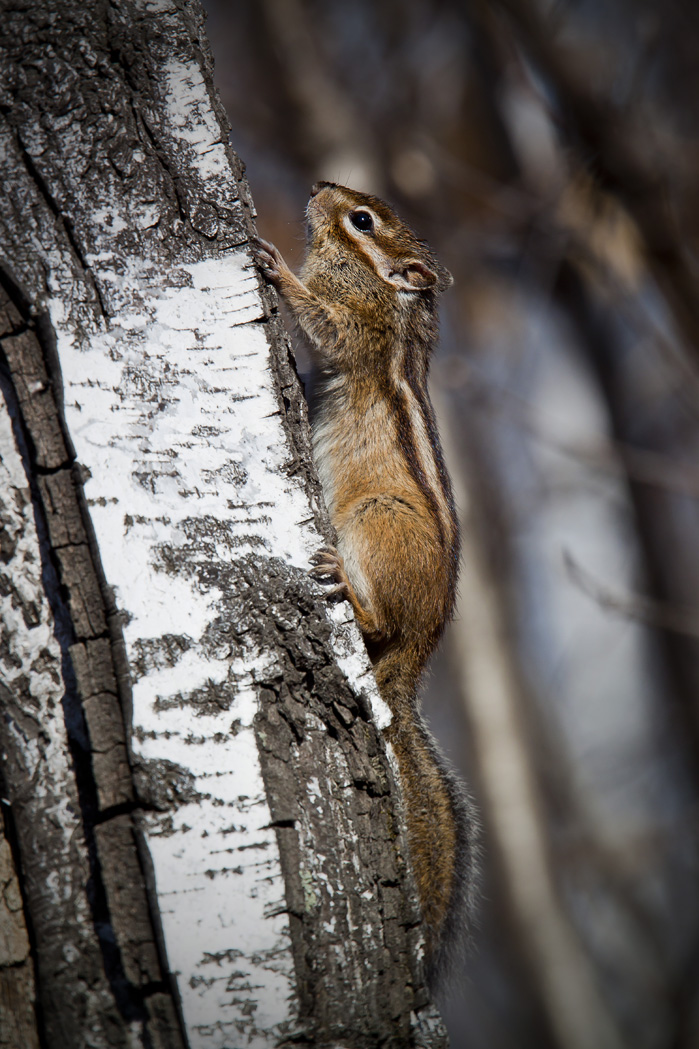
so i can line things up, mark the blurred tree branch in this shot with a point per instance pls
(620, 160)
(492, 696)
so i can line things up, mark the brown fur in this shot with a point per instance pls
(367, 303)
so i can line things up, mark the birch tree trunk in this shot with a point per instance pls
(203, 844)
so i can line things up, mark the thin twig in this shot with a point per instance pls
(656, 614)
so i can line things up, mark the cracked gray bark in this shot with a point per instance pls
(202, 811)
(17, 987)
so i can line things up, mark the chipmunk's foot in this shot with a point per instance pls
(269, 259)
(328, 563)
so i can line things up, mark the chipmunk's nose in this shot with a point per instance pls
(317, 186)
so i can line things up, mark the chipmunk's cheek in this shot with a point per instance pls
(315, 226)
(315, 213)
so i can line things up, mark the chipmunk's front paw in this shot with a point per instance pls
(327, 563)
(269, 259)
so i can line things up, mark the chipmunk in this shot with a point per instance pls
(366, 301)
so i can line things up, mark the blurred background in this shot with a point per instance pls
(549, 152)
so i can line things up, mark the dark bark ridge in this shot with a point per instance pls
(84, 129)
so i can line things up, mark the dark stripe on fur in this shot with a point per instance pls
(407, 444)
(427, 411)
(412, 363)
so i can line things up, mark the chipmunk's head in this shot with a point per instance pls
(344, 221)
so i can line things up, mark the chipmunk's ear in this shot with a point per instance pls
(418, 276)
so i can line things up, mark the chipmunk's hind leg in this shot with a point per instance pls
(327, 562)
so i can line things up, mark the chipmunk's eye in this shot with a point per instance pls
(362, 221)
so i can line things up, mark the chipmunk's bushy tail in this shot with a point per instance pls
(442, 824)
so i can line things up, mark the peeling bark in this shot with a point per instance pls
(206, 818)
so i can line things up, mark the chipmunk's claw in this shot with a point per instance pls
(338, 590)
(268, 258)
(328, 563)
(326, 556)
